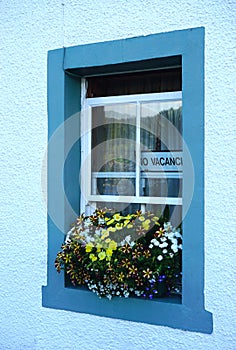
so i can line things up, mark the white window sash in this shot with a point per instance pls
(88, 178)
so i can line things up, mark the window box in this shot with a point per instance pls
(66, 69)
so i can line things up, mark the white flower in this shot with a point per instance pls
(155, 242)
(171, 255)
(174, 248)
(128, 238)
(164, 251)
(160, 257)
(167, 226)
(68, 236)
(163, 245)
(137, 292)
(163, 239)
(177, 234)
(180, 246)
(150, 246)
(174, 241)
(170, 235)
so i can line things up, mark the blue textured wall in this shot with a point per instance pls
(28, 30)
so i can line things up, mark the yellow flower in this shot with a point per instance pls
(147, 253)
(108, 240)
(89, 247)
(111, 229)
(147, 273)
(159, 233)
(98, 246)
(105, 234)
(117, 217)
(102, 255)
(119, 226)
(128, 217)
(129, 226)
(110, 222)
(109, 252)
(121, 277)
(141, 218)
(125, 263)
(67, 258)
(126, 222)
(113, 245)
(93, 257)
(126, 248)
(146, 225)
(133, 270)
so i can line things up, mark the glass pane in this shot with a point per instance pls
(161, 126)
(161, 149)
(122, 208)
(161, 187)
(116, 187)
(113, 149)
(167, 213)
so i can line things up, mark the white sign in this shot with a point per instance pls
(162, 161)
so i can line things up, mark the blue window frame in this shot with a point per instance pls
(66, 68)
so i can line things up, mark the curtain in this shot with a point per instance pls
(113, 148)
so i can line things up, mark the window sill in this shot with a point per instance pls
(166, 311)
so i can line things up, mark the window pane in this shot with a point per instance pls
(161, 125)
(113, 149)
(168, 213)
(161, 149)
(123, 208)
(161, 187)
(115, 186)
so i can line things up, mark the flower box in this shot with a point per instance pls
(112, 255)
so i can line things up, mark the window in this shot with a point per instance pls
(127, 138)
(143, 69)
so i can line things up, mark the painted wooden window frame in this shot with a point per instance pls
(66, 68)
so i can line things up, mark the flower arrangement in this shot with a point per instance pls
(114, 255)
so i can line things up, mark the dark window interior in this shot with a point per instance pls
(154, 81)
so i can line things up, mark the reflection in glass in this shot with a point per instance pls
(161, 126)
(113, 149)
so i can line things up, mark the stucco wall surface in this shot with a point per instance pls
(28, 30)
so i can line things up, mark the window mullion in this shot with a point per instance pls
(137, 160)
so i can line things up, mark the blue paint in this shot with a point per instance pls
(63, 92)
